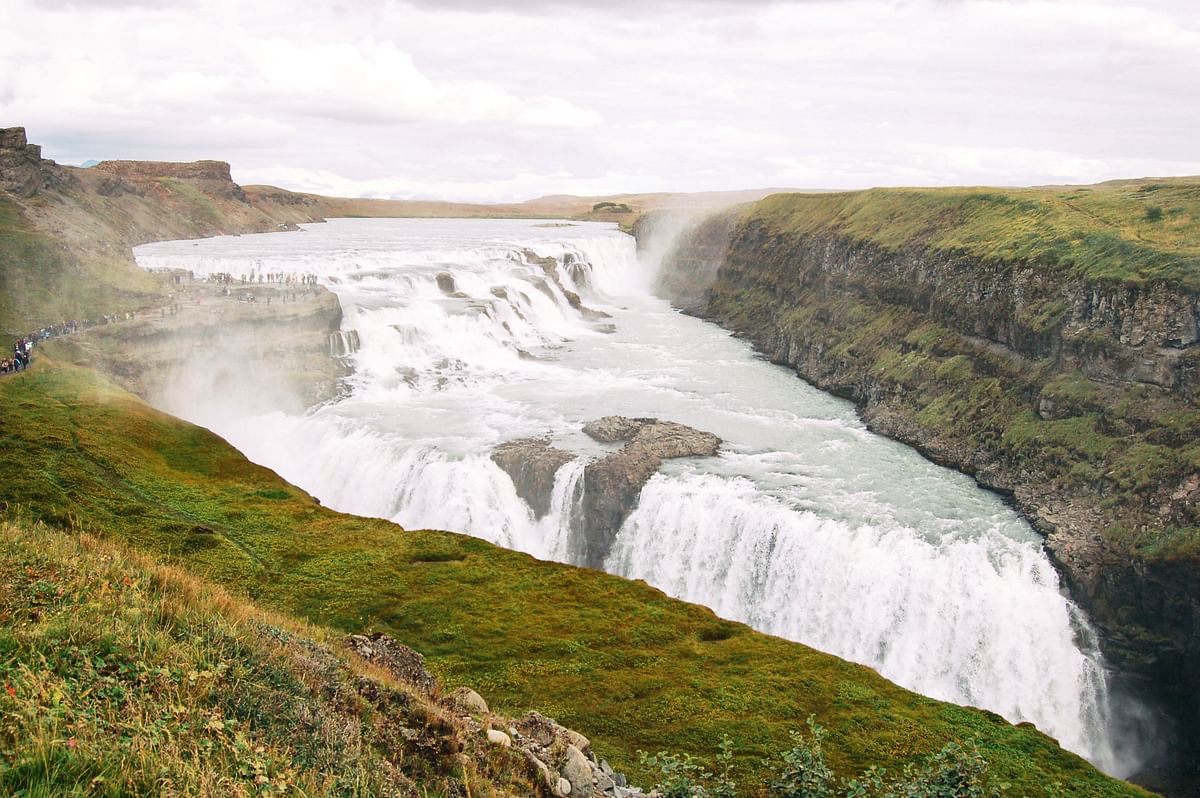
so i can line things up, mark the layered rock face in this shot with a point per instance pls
(211, 177)
(1075, 397)
(611, 484)
(217, 351)
(23, 171)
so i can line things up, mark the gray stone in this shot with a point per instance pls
(612, 484)
(467, 700)
(564, 787)
(577, 770)
(497, 737)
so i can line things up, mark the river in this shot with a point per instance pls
(806, 525)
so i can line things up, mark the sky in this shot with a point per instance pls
(470, 100)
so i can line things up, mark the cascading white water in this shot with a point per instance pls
(806, 525)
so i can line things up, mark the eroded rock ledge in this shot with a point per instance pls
(611, 484)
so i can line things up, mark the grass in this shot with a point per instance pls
(122, 677)
(42, 282)
(1108, 232)
(614, 659)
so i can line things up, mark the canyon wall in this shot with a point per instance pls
(1074, 396)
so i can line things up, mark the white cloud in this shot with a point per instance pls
(477, 100)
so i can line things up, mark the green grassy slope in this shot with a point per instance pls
(1132, 230)
(123, 677)
(617, 660)
(41, 283)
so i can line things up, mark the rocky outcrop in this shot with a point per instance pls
(23, 170)
(610, 485)
(532, 463)
(398, 659)
(559, 761)
(281, 352)
(562, 759)
(964, 359)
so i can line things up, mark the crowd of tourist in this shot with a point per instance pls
(23, 347)
(264, 278)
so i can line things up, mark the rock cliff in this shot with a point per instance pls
(23, 171)
(610, 485)
(211, 177)
(1073, 395)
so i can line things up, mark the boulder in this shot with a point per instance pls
(445, 283)
(578, 771)
(467, 701)
(497, 737)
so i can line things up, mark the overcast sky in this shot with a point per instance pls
(475, 100)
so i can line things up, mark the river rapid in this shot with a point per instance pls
(806, 525)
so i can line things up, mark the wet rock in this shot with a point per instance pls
(549, 267)
(445, 283)
(531, 464)
(612, 484)
(664, 439)
(398, 659)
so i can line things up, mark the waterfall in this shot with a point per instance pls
(883, 596)
(467, 334)
(559, 529)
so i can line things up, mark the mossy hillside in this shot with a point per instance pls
(124, 677)
(614, 659)
(41, 283)
(1135, 231)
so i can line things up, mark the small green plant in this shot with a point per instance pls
(1154, 213)
(956, 771)
(686, 777)
(805, 773)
